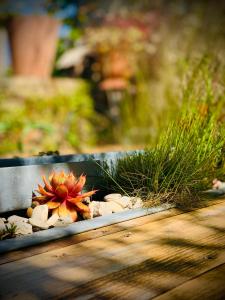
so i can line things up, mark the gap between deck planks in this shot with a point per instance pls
(141, 262)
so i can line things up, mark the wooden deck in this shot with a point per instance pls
(169, 255)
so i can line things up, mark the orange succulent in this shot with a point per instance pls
(63, 195)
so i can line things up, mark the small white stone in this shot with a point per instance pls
(68, 219)
(60, 223)
(137, 202)
(124, 202)
(14, 219)
(105, 209)
(218, 185)
(100, 208)
(64, 221)
(112, 197)
(3, 219)
(94, 208)
(40, 213)
(38, 223)
(23, 228)
(2, 224)
(115, 207)
(53, 219)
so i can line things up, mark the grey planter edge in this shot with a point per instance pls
(69, 158)
(76, 228)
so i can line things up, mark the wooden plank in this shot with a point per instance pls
(139, 262)
(208, 286)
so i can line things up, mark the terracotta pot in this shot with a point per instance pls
(3, 51)
(33, 44)
(116, 65)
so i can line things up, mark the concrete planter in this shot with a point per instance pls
(19, 177)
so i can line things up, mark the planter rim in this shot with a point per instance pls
(77, 227)
(52, 159)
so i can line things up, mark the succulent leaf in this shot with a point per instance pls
(61, 191)
(75, 200)
(72, 213)
(43, 192)
(48, 187)
(63, 211)
(88, 194)
(70, 182)
(79, 185)
(39, 198)
(53, 204)
(81, 207)
(54, 180)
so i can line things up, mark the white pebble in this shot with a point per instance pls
(52, 220)
(40, 213)
(23, 228)
(38, 223)
(112, 197)
(115, 207)
(137, 202)
(15, 218)
(2, 225)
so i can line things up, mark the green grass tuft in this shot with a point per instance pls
(187, 157)
(8, 232)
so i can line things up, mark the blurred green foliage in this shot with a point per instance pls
(37, 124)
(163, 62)
(188, 32)
(155, 104)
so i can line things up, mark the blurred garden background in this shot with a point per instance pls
(88, 76)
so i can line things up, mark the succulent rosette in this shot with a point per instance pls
(62, 194)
